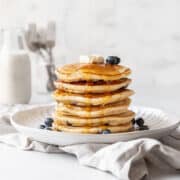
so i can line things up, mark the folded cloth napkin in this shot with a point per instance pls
(126, 160)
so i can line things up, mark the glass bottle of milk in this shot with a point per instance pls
(15, 69)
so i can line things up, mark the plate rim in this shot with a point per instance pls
(18, 126)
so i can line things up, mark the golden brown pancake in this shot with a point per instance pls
(93, 130)
(92, 72)
(93, 87)
(113, 120)
(92, 99)
(93, 111)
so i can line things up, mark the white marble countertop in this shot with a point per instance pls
(17, 164)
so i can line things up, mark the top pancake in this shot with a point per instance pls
(91, 72)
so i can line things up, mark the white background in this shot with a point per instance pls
(144, 33)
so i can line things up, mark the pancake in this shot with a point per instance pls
(92, 99)
(91, 72)
(93, 87)
(93, 130)
(94, 111)
(113, 120)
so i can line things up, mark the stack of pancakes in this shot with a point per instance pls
(93, 98)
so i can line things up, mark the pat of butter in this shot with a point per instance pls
(84, 59)
(93, 59)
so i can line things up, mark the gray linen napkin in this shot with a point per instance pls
(125, 160)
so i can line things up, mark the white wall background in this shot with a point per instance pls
(144, 33)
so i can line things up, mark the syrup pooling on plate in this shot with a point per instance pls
(92, 97)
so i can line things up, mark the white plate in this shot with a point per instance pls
(27, 122)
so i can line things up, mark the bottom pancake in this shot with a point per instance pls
(93, 130)
(113, 120)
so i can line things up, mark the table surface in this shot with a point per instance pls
(17, 164)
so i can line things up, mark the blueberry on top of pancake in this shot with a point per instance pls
(113, 60)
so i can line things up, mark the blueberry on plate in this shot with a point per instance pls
(42, 126)
(140, 122)
(48, 121)
(113, 60)
(106, 131)
(48, 128)
(142, 128)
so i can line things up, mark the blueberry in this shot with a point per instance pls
(140, 122)
(112, 60)
(48, 121)
(106, 131)
(48, 128)
(142, 128)
(42, 126)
